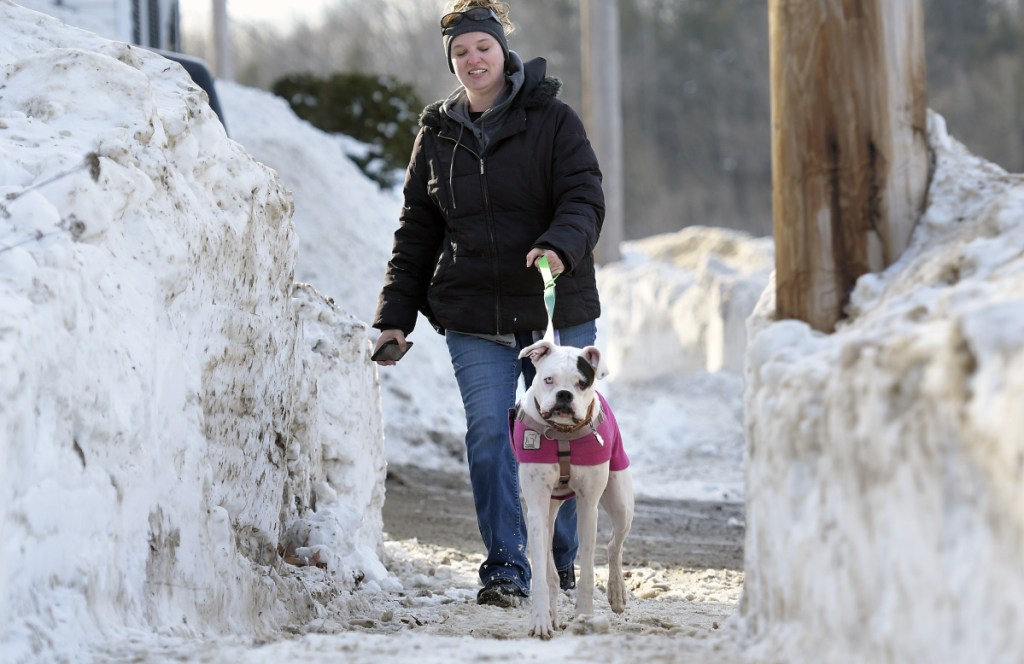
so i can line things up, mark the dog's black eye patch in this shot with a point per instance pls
(586, 371)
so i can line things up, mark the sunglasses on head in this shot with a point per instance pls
(473, 14)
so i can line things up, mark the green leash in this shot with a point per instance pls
(549, 298)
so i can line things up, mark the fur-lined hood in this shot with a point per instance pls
(538, 90)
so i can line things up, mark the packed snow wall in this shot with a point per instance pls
(885, 462)
(178, 418)
(677, 303)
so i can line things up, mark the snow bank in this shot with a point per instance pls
(673, 326)
(175, 422)
(884, 474)
(677, 303)
(345, 224)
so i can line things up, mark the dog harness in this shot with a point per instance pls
(596, 442)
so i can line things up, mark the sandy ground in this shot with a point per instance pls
(436, 508)
(683, 566)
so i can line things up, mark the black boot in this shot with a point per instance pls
(567, 578)
(499, 592)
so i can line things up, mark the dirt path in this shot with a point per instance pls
(437, 509)
(682, 571)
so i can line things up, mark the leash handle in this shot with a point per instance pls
(549, 297)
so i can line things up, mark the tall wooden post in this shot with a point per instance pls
(850, 162)
(223, 63)
(602, 114)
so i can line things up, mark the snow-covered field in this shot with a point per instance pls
(194, 447)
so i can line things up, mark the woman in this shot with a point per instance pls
(501, 174)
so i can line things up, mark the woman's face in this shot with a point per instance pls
(479, 63)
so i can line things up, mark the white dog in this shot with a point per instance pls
(567, 442)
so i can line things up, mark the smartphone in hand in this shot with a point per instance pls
(390, 350)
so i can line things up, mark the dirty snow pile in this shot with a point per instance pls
(885, 493)
(169, 407)
(345, 224)
(179, 419)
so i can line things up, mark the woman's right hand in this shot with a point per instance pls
(386, 336)
(554, 260)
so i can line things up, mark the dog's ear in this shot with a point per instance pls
(593, 356)
(537, 350)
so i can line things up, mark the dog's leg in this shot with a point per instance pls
(552, 579)
(536, 481)
(589, 484)
(617, 501)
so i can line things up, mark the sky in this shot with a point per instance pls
(173, 406)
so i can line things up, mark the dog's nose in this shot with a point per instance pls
(563, 396)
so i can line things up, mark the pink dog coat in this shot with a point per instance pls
(585, 451)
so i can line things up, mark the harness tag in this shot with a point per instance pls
(599, 438)
(531, 440)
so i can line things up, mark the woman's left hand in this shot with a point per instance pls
(554, 261)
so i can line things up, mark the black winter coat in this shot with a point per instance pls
(469, 220)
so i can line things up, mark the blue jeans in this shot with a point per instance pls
(487, 373)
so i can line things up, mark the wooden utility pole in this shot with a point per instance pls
(850, 161)
(222, 41)
(602, 114)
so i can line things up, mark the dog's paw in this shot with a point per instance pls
(544, 626)
(542, 629)
(617, 594)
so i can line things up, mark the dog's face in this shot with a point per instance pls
(564, 387)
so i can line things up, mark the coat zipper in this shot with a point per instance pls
(489, 221)
(494, 245)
